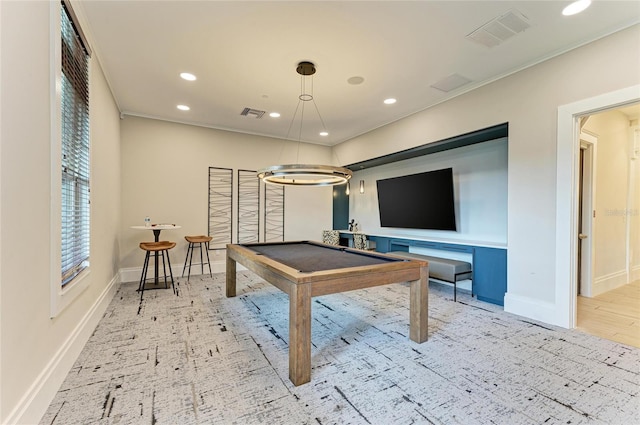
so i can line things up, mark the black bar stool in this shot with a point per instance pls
(156, 247)
(196, 242)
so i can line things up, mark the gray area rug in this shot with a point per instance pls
(201, 358)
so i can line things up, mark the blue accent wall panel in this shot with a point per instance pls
(340, 208)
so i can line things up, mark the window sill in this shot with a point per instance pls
(64, 296)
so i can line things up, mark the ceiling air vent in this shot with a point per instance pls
(452, 82)
(252, 112)
(500, 29)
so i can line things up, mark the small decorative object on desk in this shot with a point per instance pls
(147, 221)
(351, 225)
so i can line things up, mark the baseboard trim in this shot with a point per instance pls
(33, 405)
(635, 273)
(608, 282)
(531, 308)
(132, 274)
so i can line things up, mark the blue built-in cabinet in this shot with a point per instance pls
(490, 274)
(489, 264)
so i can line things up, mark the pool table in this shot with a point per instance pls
(308, 269)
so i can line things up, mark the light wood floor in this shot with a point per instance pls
(614, 315)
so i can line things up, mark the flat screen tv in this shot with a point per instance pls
(418, 201)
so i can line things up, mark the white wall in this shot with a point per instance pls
(480, 189)
(613, 200)
(165, 175)
(36, 351)
(528, 101)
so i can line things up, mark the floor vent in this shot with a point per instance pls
(252, 112)
(500, 29)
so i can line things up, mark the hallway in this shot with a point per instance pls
(614, 315)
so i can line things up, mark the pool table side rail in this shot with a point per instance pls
(327, 281)
(257, 264)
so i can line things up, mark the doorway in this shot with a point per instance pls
(567, 166)
(608, 299)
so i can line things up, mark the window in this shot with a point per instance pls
(75, 167)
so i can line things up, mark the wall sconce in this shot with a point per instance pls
(361, 186)
(348, 189)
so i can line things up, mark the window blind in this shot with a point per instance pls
(75, 151)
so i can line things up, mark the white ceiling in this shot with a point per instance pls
(244, 54)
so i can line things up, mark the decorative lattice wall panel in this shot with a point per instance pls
(273, 213)
(248, 223)
(220, 207)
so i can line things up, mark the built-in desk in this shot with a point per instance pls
(489, 262)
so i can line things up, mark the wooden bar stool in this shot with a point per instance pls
(161, 247)
(196, 242)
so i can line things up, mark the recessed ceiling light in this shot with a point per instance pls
(274, 115)
(389, 101)
(324, 133)
(183, 107)
(576, 7)
(187, 76)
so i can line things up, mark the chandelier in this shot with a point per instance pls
(305, 174)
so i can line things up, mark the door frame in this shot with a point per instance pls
(567, 157)
(589, 144)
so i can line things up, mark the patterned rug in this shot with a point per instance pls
(202, 358)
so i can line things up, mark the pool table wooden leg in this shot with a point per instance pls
(231, 277)
(300, 334)
(418, 308)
